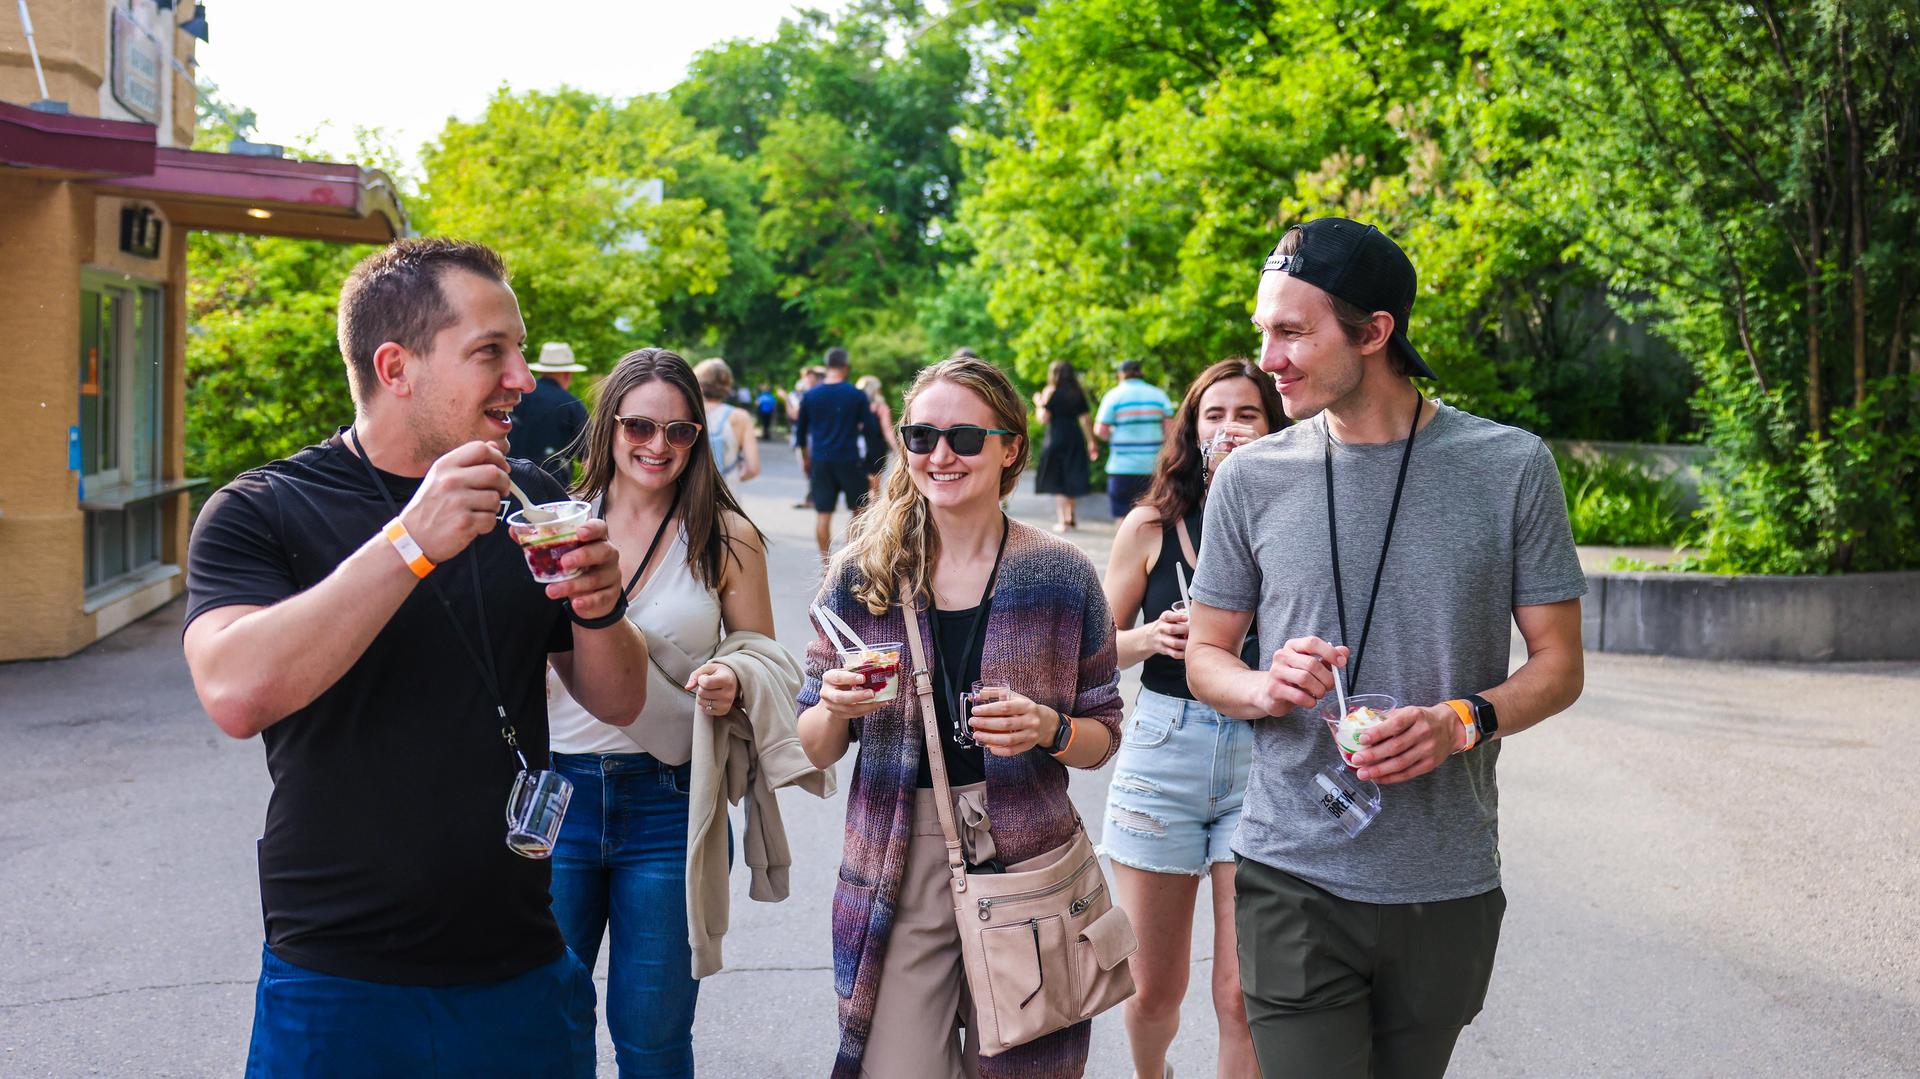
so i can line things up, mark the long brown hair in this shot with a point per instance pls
(1063, 379)
(893, 543)
(704, 498)
(1178, 485)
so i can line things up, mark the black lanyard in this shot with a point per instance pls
(950, 689)
(651, 547)
(483, 655)
(1333, 541)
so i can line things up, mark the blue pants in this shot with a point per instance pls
(309, 1024)
(620, 870)
(1123, 492)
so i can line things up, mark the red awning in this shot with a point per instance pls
(63, 147)
(272, 196)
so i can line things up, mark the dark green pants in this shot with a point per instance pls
(1338, 989)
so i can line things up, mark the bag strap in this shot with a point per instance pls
(936, 760)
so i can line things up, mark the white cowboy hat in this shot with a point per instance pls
(555, 356)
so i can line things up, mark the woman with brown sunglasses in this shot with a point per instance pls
(643, 823)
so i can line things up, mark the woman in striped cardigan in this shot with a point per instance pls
(996, 601)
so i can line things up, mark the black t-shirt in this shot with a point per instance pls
(384, 856)
(969, 764)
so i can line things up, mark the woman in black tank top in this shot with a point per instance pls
(1182, 767)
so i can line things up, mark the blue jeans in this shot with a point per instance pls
(309, 1024)
(620, 869)
(1178, 783)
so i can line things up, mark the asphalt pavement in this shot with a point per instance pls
(1710, 871)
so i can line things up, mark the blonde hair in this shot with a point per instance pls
(869, 385)
(715, 378)
(893, 543)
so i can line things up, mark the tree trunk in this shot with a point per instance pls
(1856, 217)
(1816, 404)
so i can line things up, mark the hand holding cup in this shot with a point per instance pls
(1012, 724)
(845, 695)
(594, 587)
(1409, 743)
(1170, 631)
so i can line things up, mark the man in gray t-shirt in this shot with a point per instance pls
(1366, 954)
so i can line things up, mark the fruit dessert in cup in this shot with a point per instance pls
(547, 538)
(1364, 711)
(879, 664)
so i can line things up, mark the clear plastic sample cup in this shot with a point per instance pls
(879, 664)
(545, 542)
(982, 692)
(1363, 710)
(535, 808)
(1352, 802)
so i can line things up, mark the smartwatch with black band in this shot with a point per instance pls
(1484, 718)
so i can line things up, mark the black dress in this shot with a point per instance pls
(1063, 453)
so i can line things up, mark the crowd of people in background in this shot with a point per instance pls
(1301, 520)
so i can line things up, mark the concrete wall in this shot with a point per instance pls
(46, 230)
(1862, 616)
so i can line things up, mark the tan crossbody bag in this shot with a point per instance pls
(1044, 946)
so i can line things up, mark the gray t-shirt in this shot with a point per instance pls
(1482, 529)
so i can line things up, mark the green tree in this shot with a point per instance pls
(847, 125)
(583, 197)
(264, 374)
(1752, 172)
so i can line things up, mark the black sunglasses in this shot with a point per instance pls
(965, 438)
(639, 430)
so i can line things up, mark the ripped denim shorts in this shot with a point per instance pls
(1178, 781)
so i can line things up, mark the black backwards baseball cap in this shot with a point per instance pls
(1358, 264)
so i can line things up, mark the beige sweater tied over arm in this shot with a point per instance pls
(748, 753)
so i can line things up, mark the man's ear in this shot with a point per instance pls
(1374, 339)
(390, 363)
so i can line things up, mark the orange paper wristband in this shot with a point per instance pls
(1465, 712)
(410, 552)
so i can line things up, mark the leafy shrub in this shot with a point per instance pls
(1618, 502)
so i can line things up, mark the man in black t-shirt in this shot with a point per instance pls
(393, 661)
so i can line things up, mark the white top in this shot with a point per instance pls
(681, 619)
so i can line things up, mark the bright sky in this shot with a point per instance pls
(319, 70)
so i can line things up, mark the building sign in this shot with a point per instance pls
(136, 68)
(140, 231)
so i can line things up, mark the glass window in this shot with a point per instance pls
(144, 374)
(122, 443)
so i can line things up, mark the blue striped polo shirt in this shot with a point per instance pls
(1134, 409)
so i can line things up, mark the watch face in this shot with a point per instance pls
(1483, 716)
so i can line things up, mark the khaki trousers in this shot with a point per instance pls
(923, 994)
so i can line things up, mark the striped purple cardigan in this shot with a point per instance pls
(1050, 635)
